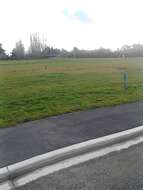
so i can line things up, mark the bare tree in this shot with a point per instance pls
(37, 45)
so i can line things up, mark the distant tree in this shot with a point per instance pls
(46, 52)
(64, 53)
(76, 52)
(19, 51)
(2, 53)
(37, 46)
(50, 52)
(135, 50)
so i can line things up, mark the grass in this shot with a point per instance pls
(33, 89)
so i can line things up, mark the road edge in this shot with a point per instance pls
(14, 171)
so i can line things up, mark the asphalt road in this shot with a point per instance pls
(117, 171)
(33, 138)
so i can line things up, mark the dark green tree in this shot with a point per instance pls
(2, 52)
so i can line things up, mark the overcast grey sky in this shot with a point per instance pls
(87, 24)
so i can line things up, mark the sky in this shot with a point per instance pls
(86, 24)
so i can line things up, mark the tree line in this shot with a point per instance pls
(39, 49)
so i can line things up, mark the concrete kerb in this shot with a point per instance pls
(16, 170)
(4, 174)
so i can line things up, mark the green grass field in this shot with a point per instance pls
(35, 89)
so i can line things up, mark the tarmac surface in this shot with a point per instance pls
(117, 171)
(29, 139)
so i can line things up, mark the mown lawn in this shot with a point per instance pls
(33, 89)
